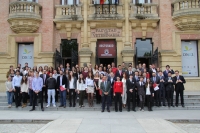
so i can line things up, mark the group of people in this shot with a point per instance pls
(124, 85)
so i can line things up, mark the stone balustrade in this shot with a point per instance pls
(68, 12)
(144, 11)
(25, 16)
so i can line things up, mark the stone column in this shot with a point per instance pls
(127, 52)
(85, 52)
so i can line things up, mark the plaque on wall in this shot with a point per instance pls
(106, 32)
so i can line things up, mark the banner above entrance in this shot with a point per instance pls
(108, 32)
(106, 48)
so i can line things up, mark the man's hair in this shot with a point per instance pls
(177, 71)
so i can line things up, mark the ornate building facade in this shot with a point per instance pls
(50, 32)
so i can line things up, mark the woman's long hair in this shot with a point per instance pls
(24, 81)
(79, 80)
(150, 84)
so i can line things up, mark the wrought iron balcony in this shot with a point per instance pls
(105, 11)
(186, 14)
(24, 16)
(68, 12)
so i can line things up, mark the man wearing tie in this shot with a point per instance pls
(165, 73)
(129, 72)
(112, 79)
(145, 77)
(155, 80)
(179, 87)
(44, 77)
(130, 83)
(136, 92)
(170, 89)
(119, 73)
(162, 87)
(141, 92)
(105, 88)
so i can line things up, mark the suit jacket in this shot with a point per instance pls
(169, 85)
(162, 84)
(138, 79)
(127, 73)
(112, 83)
(150, 87)
(130, 84)
(179, 86)
(75, 83)
(118, 74)
(157, 80)
(140, 88)
(44, 82)
(151, 71)
(106, 88)
(165, 73)
(64, 82)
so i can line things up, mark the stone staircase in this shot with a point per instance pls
(191, 99)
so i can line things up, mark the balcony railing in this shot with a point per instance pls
(25, 9)
(186, 7)
(105, 11)
(68, 12)
(144, 11)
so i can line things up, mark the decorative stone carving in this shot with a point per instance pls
(186, 15)
(24, 17)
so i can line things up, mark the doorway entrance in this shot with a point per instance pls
(106, 61)
(147, 61)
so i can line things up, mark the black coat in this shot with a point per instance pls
(118, 74)
(169, 85)
(130, 84)
(127, 73)
(44, 82)
(140, 88)
(157, 80)
(179, 86)
(162, 84)
(64, 82)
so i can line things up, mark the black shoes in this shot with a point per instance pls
(32, 110)
(102, 110)
(172, 105)
(108, 110)
(30, 105)
(134, 110)
(42, 109)
(60, 106)
(183, 105)
(65, 106)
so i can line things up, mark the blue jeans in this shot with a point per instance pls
(9, 97)
(63, 98)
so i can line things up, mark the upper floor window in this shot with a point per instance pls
(29, 0)
(69, 2)
(141, 1)
(105, 1)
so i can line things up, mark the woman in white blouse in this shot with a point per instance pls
(124, 94)
(81, 90)
(9, 91)
(149, 94)
(24, 90)
(90, 88)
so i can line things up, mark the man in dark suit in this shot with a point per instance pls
(170, 89)
(162, 87)
(62, 81)
(137, 79)
(152, 69)
(129, 72)
(141, 92)
(179, 87)
(165, 73)
(119, 72)
(111, 79)
(105, 88)
(44, 77)
(130, 83)
(155, 80)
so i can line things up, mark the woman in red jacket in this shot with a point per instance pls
(118, 89)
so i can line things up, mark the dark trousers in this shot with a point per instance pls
(105, 101)
(137, 98)
(98, 96)
(179, 92)
(81, 97)
(142, 99)
(170, 94)
(129, 97)
(31, 96)
(111, 96)
(17, 96)
(24, 97)
(72, 96)
(157, 97)
(44, 92)
(149, 101)
(40, 94)
(118, 99)
(56, 97)
(162, 92)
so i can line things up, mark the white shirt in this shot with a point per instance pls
(154, 70)
(124, 82)
(89, 82)
(81, 86)
(71, 84)
(17, 81)
(148, 90)
(55, 76)
(24, 87)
